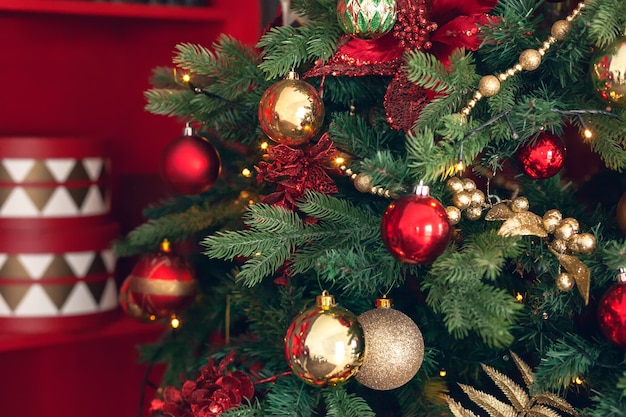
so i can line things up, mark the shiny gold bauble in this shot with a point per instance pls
(473, 213)
(560, 29)
(469, 185)
(564, 230)
(290, 111)
(478, 198)
(462, 199)
(454, 184)
(564, 282)
(394, 349)
(324, 345)
(520, 204)
(454, 214)
(489, 85)
(559, 245)
(608, 73)
(620, 214)
(582, 243)
(572, 222)
(551, 220)
(363, 183)
(530, 59)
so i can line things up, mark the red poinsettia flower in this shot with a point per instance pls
(438, 28)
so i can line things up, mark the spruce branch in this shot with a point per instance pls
(341, 404)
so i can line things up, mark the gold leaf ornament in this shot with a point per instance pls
(578, 271)
(523, 223)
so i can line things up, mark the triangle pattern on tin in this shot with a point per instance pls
(58, 268)
(36, 303)
(39, 173)
(108, 257)
(39, 195)
(97, 267)
(80, 262)
(5, 310)
(96, 288)
(18, 204)
(78, 173)
(18, 168)
(93, 202)
(13, 294)
(60, 168)
(12, 268)
(4, 194)
(78, 194)
(93, 167)
(3, 259)
(60, 203)
(80, 301)
(36, 264)
(58, 293)
(4, 174)
(109, 300)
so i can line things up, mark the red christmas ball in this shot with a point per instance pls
(541, 157)
(129, 306)
(415, 228)
(612, 314)
(190, 164)
(162, 284)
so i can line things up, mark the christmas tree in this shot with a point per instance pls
(395, 208)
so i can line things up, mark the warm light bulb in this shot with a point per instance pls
(174, 322)
(443, 373)
(519, 297)
(460, 166)
(186, 78)
(165, 246)
(246, 172)
(265, 145)
(588, 134)
(339, 160)
(578, 380)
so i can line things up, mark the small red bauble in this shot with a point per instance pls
(162, 284)
(612, 314)
(190, 164)
(415, 228)
(542, 157)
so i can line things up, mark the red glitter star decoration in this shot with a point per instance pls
(436, 26)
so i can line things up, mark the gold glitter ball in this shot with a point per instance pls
(469, 185)
(462, 199)
(572, 222)
(564, 282)
(454, 214)
(564, 230)
(582, 243)
(478, 198)
(363, 183)
(551, 220)
(519, 204)
(473, 213)
(489, 85)
(559, 245)
(530, 59)
(454, 184)
(560, 29)
(394, 349)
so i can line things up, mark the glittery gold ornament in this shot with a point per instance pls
(551, 219)
(530, 59)
(523, 223)
(324, 344)
(454, 214)
(478, 198)
(519, 204)
(394, 347)
(489, 85)
(499, 211)
(572, 222)
(363, 183)
(290, 111)
(577, 270)
(559, 245)
(564, 282)
(560, 29)
(565, 230)
(473, 213)
(469, 185)
(582, 243)
(462, 199)
(454, 184)
(608, 73)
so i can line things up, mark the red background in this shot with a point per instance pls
(79, 68)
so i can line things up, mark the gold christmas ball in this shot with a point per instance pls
(572, 222)
(608, 69)
(564, 282)
(560, 29)
(582, 243)
(520, 204)
(363, 183)
(478, 198)
(291, 112)
(551, 219)
(469, 185)
(324, 345)
(564, 230)
(530, 59)
(454, 214)
(394, 349)
(559, 245)
(473, 213)
(462, 199)
(489, 85)
(454, 184)
(620, 214)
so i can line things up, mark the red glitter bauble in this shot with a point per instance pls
(612, 314)
(190, 164)
(415, 229)
(541, 157)
(162, 284)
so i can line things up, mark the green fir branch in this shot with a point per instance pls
(427, 71)
(606, 21)
(290, 397)
(339, 403)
